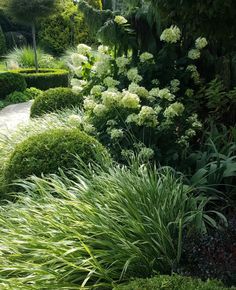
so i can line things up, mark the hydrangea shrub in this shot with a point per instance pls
(130, 114)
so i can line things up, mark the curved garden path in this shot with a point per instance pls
(13, 115)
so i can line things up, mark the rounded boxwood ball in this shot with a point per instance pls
(53, 100)
(53, 149)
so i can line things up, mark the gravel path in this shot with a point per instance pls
(13, 115)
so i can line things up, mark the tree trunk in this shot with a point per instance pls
(35, 48)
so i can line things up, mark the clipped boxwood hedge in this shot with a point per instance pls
(10, 82)
(53, 149)
(53, 100)
(174, 282)
(46, 78)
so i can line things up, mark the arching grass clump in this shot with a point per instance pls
(53, 100)
(47, 152)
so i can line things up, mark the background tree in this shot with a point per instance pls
(29, 13)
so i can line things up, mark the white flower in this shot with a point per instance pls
(89, 104)
(146, 153)
(78, 59)
(140, 91)
(175, 109)
(110, 82)
(101, 68)
(83, 49)
(174, 85)
(194, 54)
(171, 35)
(147, 116)
(145, 56)
(77, 89)
(89, 128)
(103, 49)
(194, 73)
(111, 98)
(76, 82)
(120, 20)
(154, 92)
(116, 133)
(133, 75)
(97, 90)
(130, 100)
(201, 42)
(75, 119)
(121, 63)
(166, 94)
(132, 118)
(100, 110)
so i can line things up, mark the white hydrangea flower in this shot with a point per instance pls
(175, 109)
(100, 110)
(190, 133)
(133, 75)
(83, 49)
(110, 82)
(166, 94)
(97, 90)
(89, 128)
(120, 20)
(171, 35)
(77, 89)
(121, 63)
(146, 56)
(146, 153)
(147, 117)
(76, 82)
(111, 98)
(193, 120)
(89, 104)
(200, 43)
(75, 119)
(78, 71)
(130, 100)
(154, 92)
(116, 133)
(156, 82)
(78, 59)
(132, 118)
(140, 91)
(194, 73)
(194, 54)
(103, 49)
(174, 85)
(101, 68)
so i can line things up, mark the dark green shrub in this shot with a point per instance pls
(45, 78)
(32, 93)
(15, 39)
(10, 82)
(51, 150)
(2, 42)
(171, 283)
(53, 100)
(17, 97)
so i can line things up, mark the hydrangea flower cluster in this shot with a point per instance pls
(146, 56)
(171, 35)
(195, 53)
(120, 20)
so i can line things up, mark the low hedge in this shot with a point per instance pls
(10, 82)
(174, 282)
(53, 149)
(45, 78)
(53, 100)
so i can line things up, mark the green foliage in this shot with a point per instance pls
(53, 100)
(29, 12)
(10, 82)
(15, 39)
(45, 78)
(64, 29)
(51, 150)
(17, 97)
(172, 283)
(32, 93)
(24, 57)
(108, 224)
(217, 101)
(2, 42)
(214, 164)
(202, 18)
